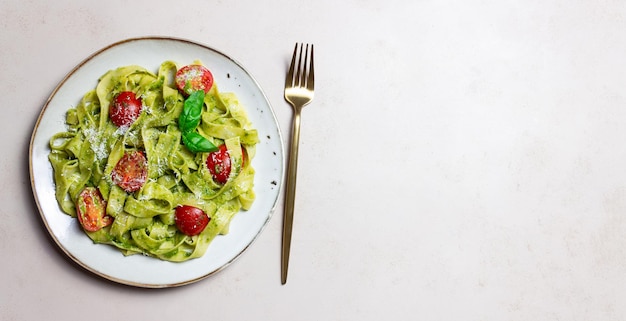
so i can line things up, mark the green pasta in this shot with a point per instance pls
(144, 221)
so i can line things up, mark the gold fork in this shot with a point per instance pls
(298, 92)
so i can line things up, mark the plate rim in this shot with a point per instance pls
(52, 95)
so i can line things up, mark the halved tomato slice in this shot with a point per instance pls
(191, 220)
(125, 109)
(91, 210)
(131, 171)
(219, 164)
(192, 78)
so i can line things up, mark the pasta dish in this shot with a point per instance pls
(155, 164)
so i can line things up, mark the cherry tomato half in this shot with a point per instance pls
(191, 220)
(219, 164)
(191, 78)
(131, 171)
(90, 209)
(125, 108)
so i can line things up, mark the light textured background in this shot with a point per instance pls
(462, 160)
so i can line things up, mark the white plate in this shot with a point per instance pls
(138, 270)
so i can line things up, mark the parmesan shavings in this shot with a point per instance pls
(96, 142)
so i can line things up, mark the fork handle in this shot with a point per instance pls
(290, 194)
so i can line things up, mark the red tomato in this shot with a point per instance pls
(191, 220)
(90, 209)
(125, 108)
(131, 171)
(219, 165)
(194, 77)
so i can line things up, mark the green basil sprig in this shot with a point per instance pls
(190, 119)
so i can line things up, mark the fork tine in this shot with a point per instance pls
(310, 83)
(303, 66)
(289, 79)
(299, 78)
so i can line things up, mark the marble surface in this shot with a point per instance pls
(462, 160)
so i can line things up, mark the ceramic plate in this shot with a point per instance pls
(138, 270)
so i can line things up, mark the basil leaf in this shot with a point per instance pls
(197, 143)
(192, 112)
